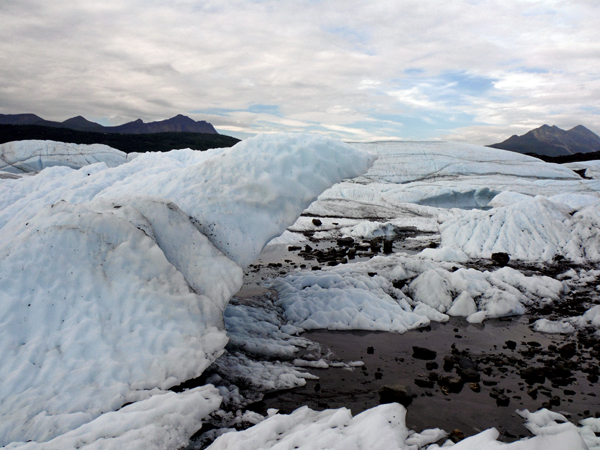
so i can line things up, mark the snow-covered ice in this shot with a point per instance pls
(33, 156)
(384, 427)
(362, 296)
(113, 281)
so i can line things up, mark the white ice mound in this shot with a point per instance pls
(240, 197)
(363, 296)
(109, 293)
(103, 304)
(382, 427)
(166, 420)
(244, 196)
(33, 156)
(536, 229)
(345, 298)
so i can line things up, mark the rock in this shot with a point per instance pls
(433, 245)
(396, 393)
(533, 375)
(317, 222)
(423, 353)
(502, 400)
(374, 245)
(501, 258)
(293, 248)
(475, 387)
(453, 384)
(351, 253)
(568, 350)
(388, 247)
(456, 436)
(496, 392)
(533, 392)
(427, 384)
(345, 241)
(432, 365)
(511, 344)
(370, 350)
(448, 363)
(469, 374)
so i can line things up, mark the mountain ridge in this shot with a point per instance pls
(552, 141)
(177, 124)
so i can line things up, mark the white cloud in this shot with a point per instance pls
(380, 68)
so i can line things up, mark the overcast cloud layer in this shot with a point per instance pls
(475, 71)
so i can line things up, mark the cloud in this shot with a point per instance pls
(352, 69)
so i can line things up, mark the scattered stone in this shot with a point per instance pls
(568, 350)
(501, 258)
(370, 350)
(456, 436)
(496, 392)
(511, 344)
(345, 241)
(433, 245)
(533, 392)
(388, 247)
(432, 365)
(502, 400)
(396, 393)
(317, 222)
(555, 401)
(533, 375)
(293, 248)
(475, 387)
(423, 353)
(427, 384)
(453, 384)
(448, 363)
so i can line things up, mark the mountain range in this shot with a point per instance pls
(177, 124)
(553, 141)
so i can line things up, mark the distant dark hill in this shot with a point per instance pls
(177, 124)
(152, 142)
(553, 142)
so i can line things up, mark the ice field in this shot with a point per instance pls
(117, 276)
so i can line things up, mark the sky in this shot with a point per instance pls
(473, 71)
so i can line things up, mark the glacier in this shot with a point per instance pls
(116, 274)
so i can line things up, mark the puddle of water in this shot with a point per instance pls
(391, 362)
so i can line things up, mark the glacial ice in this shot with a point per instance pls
(352, 297)
(113, 281)
(33, 156)
(384, 427)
